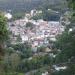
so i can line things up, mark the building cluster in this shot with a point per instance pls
(36, 36)
(39, 34)
(32, 13)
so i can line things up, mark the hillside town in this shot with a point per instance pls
(37, 39)
(39, 32)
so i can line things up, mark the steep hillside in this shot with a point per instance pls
(23, 5)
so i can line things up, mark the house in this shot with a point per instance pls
(58, 68)
(24, 38)
(8, 16)
(45, 73)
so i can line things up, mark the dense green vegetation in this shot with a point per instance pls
(18, 15)
(3, 32)
(30, 25)
(66, 43)
(47, 15)
(3, 38)
(37, 16)
(35, 63)
(27, 5)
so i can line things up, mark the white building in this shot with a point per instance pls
(58, 68)
(24, 38)
(46, 73)
(8, 16)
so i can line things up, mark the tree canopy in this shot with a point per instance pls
(3, 32)
(3, 28)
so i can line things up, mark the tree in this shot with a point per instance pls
(3, 32)
(71, 4)
(66, 41)
(37, 16)
(19, 39)
(30, 25)
(3, 37)
(41, 49)
(18, 15)
(24, 49)
(15, 60)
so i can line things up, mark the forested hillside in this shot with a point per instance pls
(24, 5)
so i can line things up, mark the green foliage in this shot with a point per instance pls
(29, 25)
(3, 33)
(19, 39)
(49, 15)
(66, 42)
(38, 73)
(41, 49)
(18, 15)
(3, 28)
(35, 63)
(37, 16)
(24, 49)
(71, 4)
